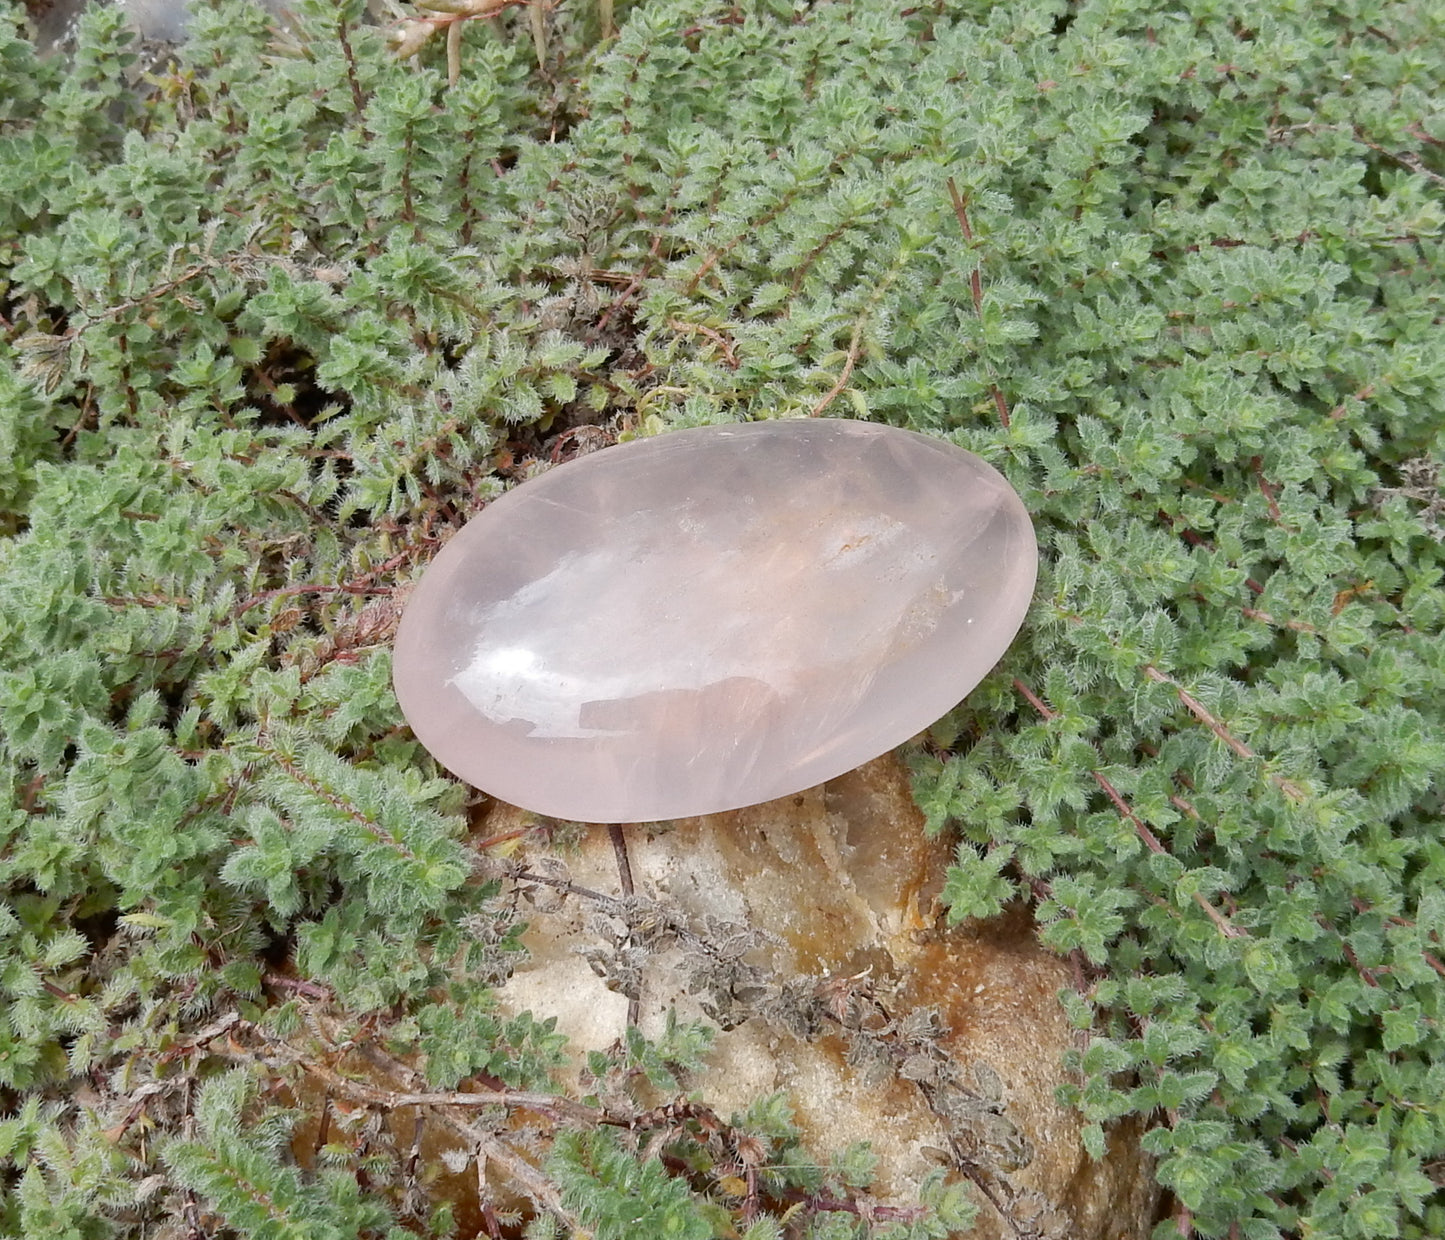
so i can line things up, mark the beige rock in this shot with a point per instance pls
(842, 882)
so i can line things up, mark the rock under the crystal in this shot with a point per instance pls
(838, 888)
(712, 618)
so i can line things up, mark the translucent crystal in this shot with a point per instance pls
(712, 618)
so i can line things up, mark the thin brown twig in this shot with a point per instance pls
(960, 211)
(1367, 975)
(367, 823)
(975, 287)
(1198, 710)
(358, 98)
(722, 342)
(1151, 842)
(828, 1204)
(817, 252)
(550, 1105)
(1364, 394)
(493, 1146)
(849, 363)
(290, 591)
(1298, 626)
(1035, 701)
(617, 833)
(489, 1212)
(1141, 828)
(297, 985)
(1266, 490)
(636, 283)
(505, 837)
(610, 903)
(1180, 803)
(703, 270)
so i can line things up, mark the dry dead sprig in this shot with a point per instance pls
(411, 34)
(1422, 481)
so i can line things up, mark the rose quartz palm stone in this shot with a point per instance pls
(712, 618)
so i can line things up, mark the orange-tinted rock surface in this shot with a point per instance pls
(841, 883)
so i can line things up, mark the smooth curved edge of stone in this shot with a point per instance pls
(569, 798)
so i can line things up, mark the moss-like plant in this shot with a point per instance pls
(280, 309)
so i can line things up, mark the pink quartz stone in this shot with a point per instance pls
(712, 618)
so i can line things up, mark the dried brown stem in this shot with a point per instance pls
(297, 986)
(552, 1106)
(617, 833)
(290, 591)
(358, 99)
(1198, 710)
(975, 288)
(1266, 490)
(723, 343)
(1126, 811)
(848, 364)
(610, 903)
(636, 283)
(1298, 626)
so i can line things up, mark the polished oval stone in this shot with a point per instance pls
(712, 618)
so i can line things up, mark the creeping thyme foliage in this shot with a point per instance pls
(279, 310)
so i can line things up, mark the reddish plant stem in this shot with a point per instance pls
(297, 986)
(289, 591)
(358, 99)
(503, 837)
(1198, 710)
(1149, 839)
(356, 585)
(722, 342)
(848, 364)
(630, 291)
(975, 288)
(1266, 490)
(1298, 626)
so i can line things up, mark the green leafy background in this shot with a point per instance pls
(280, 310)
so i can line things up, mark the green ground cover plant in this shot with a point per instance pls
(279, 310)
